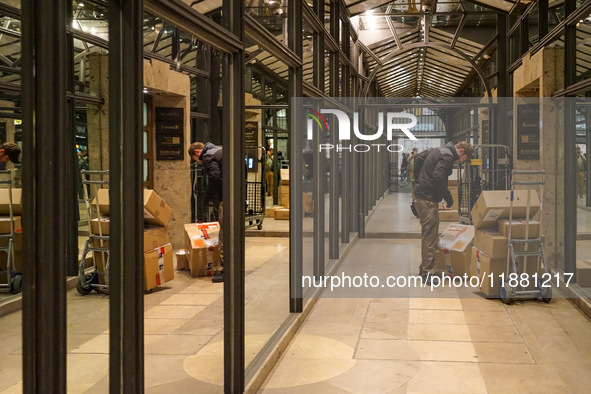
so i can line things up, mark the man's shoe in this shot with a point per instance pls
(218, 278)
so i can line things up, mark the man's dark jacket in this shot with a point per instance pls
(431, 183)
(211, 157)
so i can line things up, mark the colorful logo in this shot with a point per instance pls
(317, 117)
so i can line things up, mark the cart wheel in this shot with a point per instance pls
(17, 283)
(545, 292)
(506, 293)
(260, 226)
(84, 289)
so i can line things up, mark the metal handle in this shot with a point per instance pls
(528, 172)
(95, 172)
(527, 183)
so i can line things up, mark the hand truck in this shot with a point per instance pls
(95, 244)
(14, 279)
(488, 170)
(517, 259)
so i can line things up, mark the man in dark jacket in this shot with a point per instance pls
(430, 189)
(211, 157)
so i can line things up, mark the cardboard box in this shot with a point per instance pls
(483, 263)
(489, 241)
(584, 273)
(282, 214)
(158, 266)
(102, 200)
(453, 255)
(5, 224)
(201, 246)
(270, 211)
(156, 211)
(17, 241)
(284, 193)
(518, 228)
(284, 175)
(482, 266)
(5, 201)
(448, 215)
(181, 260)
(155, 236)
(493, 205)
(104, 226)
(308, 203)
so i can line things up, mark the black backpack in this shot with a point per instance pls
(419, 161)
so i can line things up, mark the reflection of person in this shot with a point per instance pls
(83, 165)
(581, 169)
(430, 189)
(269, 174)
(404, 164)
(9, 151)
(211, 157)
(411, 170)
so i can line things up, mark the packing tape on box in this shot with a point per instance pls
(198, 243)
(148, 215)
(447, 258)
(160, 275)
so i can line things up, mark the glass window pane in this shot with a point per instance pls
(583, 48)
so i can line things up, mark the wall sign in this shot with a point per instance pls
(251, 135)
(251, 142)
(169, 133)
(528, 132)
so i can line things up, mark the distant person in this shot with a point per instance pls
(411, 170)
(83, 165)
(269, 171)
(432, 170)
(581, 170)
(211, 157)
(404, 164)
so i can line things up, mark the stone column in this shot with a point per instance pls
(538, 77)
(172, 180)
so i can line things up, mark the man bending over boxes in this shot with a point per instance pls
(432, 169)
(211, 157)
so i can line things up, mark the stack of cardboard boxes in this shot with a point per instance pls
(489, 253)
(283, 213)
(450, 214)
(455, 246)
(17, 242)
(201, 247)
(158, 261)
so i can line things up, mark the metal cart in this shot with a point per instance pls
(14, 278)
(489, 169)
(255, 195)
(97, 245)
(520, 250)
(200, 211)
